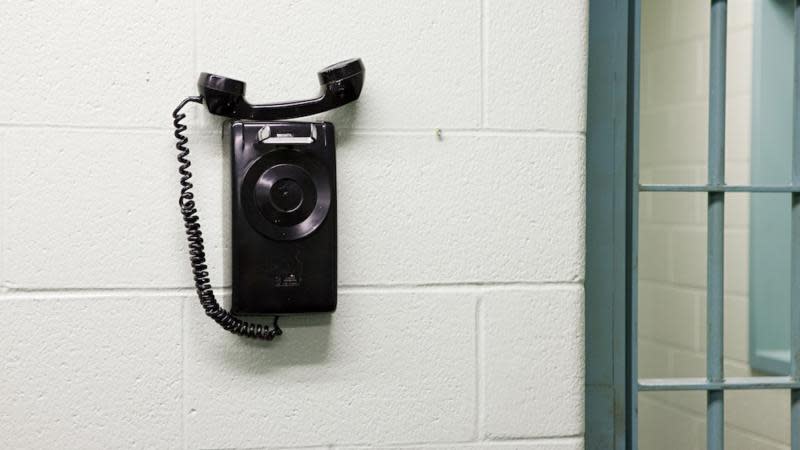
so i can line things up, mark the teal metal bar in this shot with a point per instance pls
(794, 308)
(710, 188)
(632, 239)
(715, 427)
(702, 384)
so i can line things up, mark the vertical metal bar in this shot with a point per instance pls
(716, 222)
(795, 242)
(632, 238)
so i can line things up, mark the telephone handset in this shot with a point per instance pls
(340, 84)
(283, 200)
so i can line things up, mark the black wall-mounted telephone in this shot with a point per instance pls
(283, 200)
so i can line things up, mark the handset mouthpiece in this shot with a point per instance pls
(345, 79)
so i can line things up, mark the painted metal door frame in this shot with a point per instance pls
(611, 112)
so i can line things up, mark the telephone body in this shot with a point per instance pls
(283, 200)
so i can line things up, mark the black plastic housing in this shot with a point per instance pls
(284, 217)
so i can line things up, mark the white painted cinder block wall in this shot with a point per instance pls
(461, 259)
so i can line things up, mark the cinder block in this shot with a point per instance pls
(672, 208)
(664, 427)
(675, 139)
(533, 362)
(100, 209)
(737, 207)
(669, 314)
(686, 364)
(688, 137)
(654, 252)
(536, 55)
(387, 367)
(655, 141)
(688, 20)
(689, 257)
(738, 142)
(687, 142)
(88, 373)
(763, 413)
(739, 63)
(96, 63)
(653, 358)
(539, 444)
(737, 332)
(655, 24)
(489, 208)
(737, 439)
(737, 263)
(674, 75)
(422, 58)
(3, 212)
(689, 363)
(674, 175)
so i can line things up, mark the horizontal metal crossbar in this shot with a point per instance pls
(710, 188)
(702, 384)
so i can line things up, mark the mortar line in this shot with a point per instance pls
(755, 435)
(484, 63)
(414, 131)
(3, 222)
(485, 131)
(195, 35)
(224, 290)
(79, 127)
(428, 444)
(183, 374)
(542, 440)
(479, 371)
(468, 284)
(498, 442)
(195, 28)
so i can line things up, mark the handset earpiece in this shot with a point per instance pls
(340, 84)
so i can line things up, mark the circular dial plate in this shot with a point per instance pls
(285, 195)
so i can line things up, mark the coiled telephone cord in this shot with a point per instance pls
(196, 248)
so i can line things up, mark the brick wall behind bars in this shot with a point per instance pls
(672, 286)
(461, 257)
